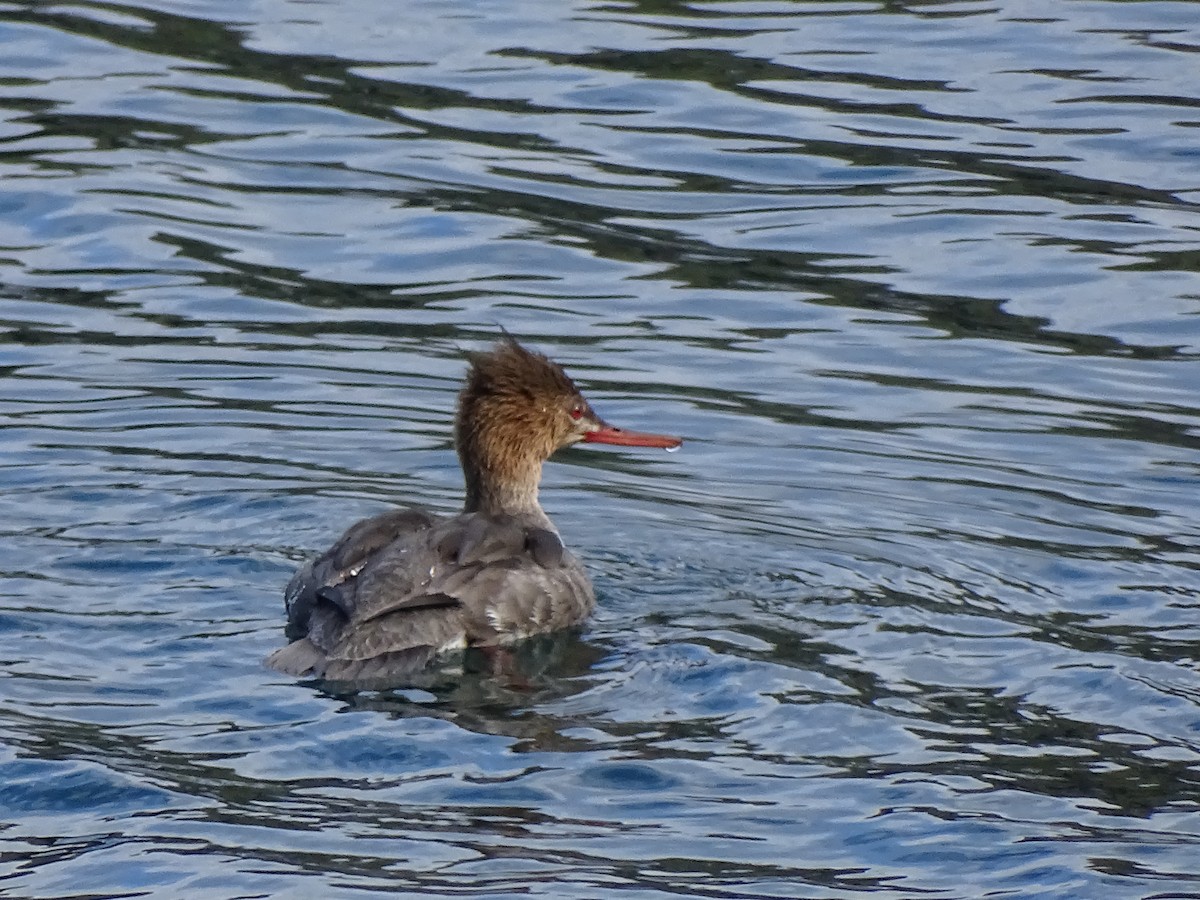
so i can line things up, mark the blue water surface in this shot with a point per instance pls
(915, 613)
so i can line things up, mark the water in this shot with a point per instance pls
(914, 613)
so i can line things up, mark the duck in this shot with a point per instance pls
(403, 588)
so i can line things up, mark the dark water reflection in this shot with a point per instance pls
(915, 613)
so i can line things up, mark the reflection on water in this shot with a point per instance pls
(916, 610)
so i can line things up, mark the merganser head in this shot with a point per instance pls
(515, 410)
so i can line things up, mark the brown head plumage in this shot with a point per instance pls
(516, 408)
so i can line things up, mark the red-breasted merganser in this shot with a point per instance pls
(401, 587)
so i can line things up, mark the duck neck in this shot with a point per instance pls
(491, 494)
(509, 490)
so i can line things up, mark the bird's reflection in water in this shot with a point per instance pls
(501, 691)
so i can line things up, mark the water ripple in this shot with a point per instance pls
(913, 614)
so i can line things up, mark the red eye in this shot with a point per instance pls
(577, 412)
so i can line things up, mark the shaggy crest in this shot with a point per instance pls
(511, 372)
(514, 411)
